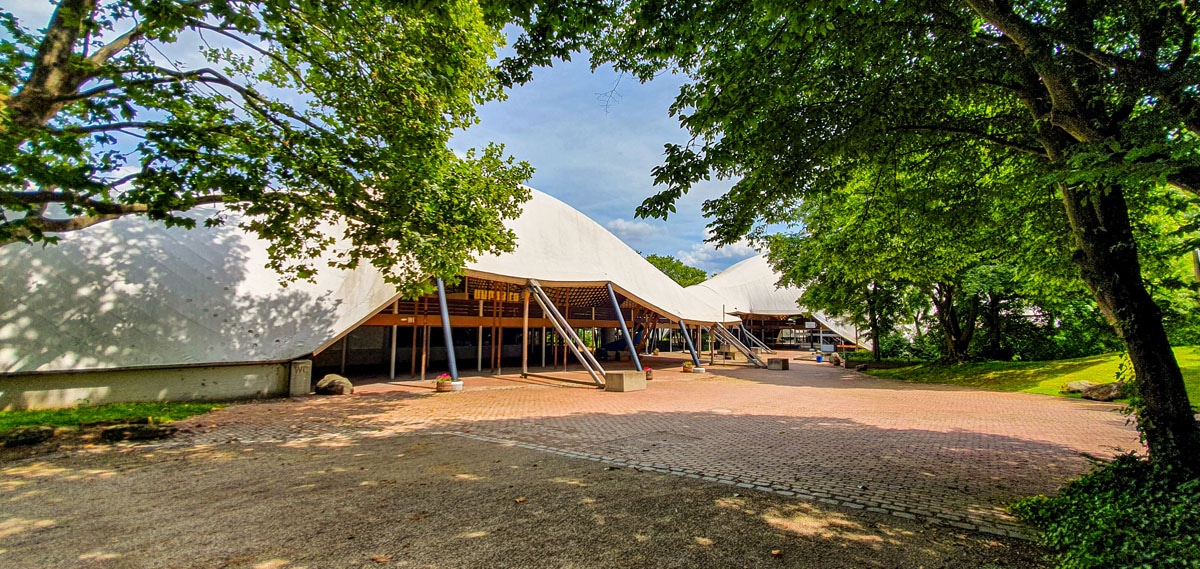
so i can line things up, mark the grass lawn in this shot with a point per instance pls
(117, 412)
(1038, 377)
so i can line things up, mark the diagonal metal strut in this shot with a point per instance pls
(565, 330)
(726, 336)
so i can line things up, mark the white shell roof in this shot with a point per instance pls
(750, 287)
(558, 245)
(135, 293)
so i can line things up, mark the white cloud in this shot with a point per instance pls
(708, 257)
(632, 230)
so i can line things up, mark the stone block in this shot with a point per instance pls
(625, 381)
(300, 378)
(778, 364)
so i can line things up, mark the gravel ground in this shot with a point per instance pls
(429, 501)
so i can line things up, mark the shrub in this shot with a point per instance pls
(1128, 513)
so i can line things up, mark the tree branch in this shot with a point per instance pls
(997, 140)
(105, 53)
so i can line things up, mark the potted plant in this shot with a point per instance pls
(688, 367)
(443, 383)
(649, 373)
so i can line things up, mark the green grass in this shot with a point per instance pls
(1038, 377)
(117, 412)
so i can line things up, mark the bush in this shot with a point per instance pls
(1128, 513)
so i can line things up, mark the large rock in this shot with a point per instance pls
(1076, 386)
(1105, 392)
(334, 384)
(27, 436)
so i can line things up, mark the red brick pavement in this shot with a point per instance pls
(815, 432)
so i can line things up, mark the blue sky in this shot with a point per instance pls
(595, 152)
(590, 150)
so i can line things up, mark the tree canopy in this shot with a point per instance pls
(1097, 99)
(683, 274)
(296, 115)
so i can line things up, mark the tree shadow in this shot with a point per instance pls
(133, 293)
(967, 475)
(437, 501)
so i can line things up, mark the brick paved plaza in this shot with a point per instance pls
(950, 455)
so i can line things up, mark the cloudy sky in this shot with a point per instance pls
(592, 138)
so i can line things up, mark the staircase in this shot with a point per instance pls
(726, 336)
(564, 329)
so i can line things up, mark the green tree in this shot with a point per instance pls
(297, 114)
(683, 274)
(1098, 98)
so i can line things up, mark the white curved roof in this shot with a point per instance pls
(558, 245)
(750, 287)
(135, 293)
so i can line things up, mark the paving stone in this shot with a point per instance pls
(886, 446)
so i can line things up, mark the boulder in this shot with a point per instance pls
(334, 384)
(1105, 392)
(27, 436)
(1076, 386)
(860, 367)
(137, 432)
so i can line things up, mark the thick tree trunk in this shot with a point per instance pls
(1107, 256)
(957, 329)
(991, 317)
(873, 313)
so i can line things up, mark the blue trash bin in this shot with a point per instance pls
(819, 358)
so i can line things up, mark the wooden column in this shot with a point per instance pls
(345, 348)
(525, 337)
(424, 338)
(392, 365)
(412, 356)
(567, 317)
(479, 341)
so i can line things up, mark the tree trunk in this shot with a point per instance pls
(873, 314)
(957, 329)
(991, 317)
(1108, 259)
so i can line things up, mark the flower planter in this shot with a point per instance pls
(444, 386)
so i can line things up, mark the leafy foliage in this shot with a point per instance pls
(683, 274)
(1090, 106)
(301, 116)
(1130, 513)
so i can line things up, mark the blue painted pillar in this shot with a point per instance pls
(446, 330)
(688, 338)
(637, 363)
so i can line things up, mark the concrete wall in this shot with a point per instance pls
(52, 391)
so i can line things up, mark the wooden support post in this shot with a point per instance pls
(345, 348)
(525, 337)
(479, 341)
(412, 356)
(543, 343)
(424, 338)
(567, 317)
(392, 364)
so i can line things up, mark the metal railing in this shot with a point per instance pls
(726, 336)
(564, 329)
